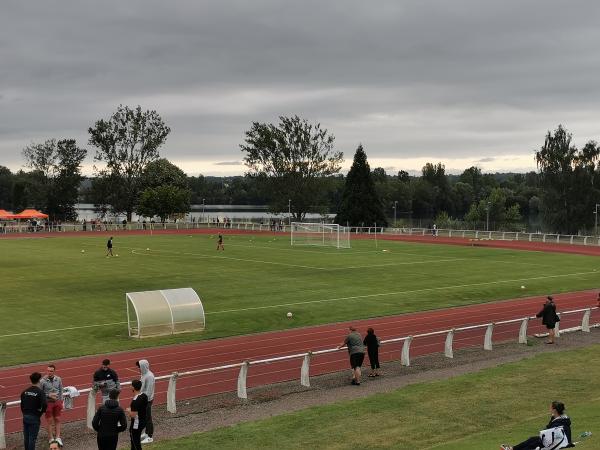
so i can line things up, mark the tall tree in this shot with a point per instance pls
(568, 178)
(126, 143)
(7, 181)
(360, 203)
(57, 170)
(291, 161)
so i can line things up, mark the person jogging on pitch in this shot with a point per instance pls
(109, 246)
(220, 243)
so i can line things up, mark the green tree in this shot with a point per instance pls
(57, 171)
(360, 204)
(165, 192)
(569, 181)
(126, 143)
(164, 201)
(291, 161)
(7, 181)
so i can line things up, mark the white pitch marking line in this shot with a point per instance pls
(357, 297)
(61, 329)
(321, 301)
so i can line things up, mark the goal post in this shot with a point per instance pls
(320, 234)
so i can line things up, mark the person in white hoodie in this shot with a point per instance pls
(147, 379)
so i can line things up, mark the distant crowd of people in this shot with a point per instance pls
(45, 398)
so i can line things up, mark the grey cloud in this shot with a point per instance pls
(484, 160)
(464, 78)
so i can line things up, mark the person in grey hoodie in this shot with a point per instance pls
(147, 379)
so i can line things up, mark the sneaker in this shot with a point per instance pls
(60, 442)
(505, 447)
(148, 440)
(143, 436)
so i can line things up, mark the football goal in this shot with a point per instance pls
(322, 234)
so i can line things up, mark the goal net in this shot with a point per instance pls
(322, 234)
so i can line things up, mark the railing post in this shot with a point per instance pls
(523, 331)
(544, 238)
(172, 393)
(477, 234)
(241, 385)
(487, 342)
(585, 322)
(2, 416)
(530, 237)
(91, 407)
(448, 345)
(557, 327)
(558, 238)
(305, 370)
(405, 358)
(585, 240)
(450, 233)
(571, 240)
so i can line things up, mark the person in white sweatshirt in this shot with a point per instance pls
(147, 379)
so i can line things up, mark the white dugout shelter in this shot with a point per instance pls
(168, 311)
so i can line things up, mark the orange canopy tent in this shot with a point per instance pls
(5, 215)
(30, 214)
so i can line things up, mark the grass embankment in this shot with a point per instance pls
(49, 284)
(471, 412)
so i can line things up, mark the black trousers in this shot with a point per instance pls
(136, 438)
(374, 359)
(107, 442)
(149, 424)
(530, 444)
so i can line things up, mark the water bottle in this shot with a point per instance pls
(585, 434)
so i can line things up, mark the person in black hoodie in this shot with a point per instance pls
(372, 343)
(33, 405)
(109, 421)
(558, 418)
(549, 318)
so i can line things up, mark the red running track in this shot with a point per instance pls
(211, 353)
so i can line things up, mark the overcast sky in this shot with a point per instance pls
(461, 82)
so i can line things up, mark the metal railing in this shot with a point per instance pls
(306, 357)
(280, 227)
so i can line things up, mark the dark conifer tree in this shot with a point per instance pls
(360, 204)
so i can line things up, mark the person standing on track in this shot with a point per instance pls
(220, 243)
(137, 413)
(147, 378)
(109, 246)
(356, 350)
(372, 343)
(549, 318)
(53, 389)
(106, 379)
(33, 405)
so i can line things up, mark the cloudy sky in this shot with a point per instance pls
(461, 82)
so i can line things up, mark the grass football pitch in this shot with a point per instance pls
(50, 284)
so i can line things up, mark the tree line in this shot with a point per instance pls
(293, 165)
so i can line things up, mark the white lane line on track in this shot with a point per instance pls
(302, 333)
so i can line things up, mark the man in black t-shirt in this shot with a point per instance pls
(137, 413)
(33, 405)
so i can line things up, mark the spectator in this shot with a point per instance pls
(549, 318)
(557, 419)
(109, 421)
(137, 413)
(372, 343)
(147, 379)
(53, 390)
(356, 350)
(54, 445)
(33, 405)
(597, 300)
(106, 379)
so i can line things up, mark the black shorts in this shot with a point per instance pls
(550, 327)
(356, 360)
